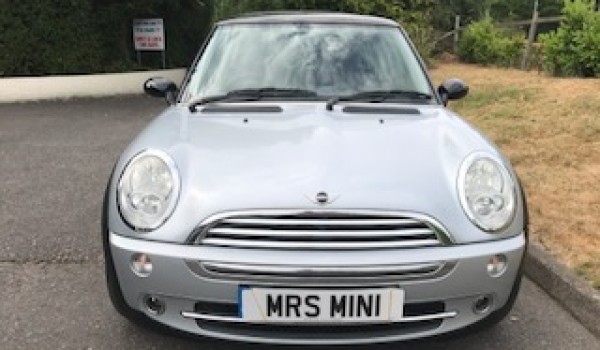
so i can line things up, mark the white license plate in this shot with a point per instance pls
(321, 306)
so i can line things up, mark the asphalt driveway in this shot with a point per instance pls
(55, 159)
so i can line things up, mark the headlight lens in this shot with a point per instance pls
(148, 190)
(487, 192)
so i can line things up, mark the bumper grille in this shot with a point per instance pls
(320, 275)
(321, 230)
(223, 318)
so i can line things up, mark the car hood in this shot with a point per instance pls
(247, 160)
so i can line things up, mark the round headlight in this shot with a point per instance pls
(148, 190)
(487, 192)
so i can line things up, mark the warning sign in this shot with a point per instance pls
(149, 34)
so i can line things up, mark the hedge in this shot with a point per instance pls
(39, 37)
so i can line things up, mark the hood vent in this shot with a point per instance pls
(381, 110)
(242, 109)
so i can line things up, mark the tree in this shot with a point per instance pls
(499, 10)
(414, 15)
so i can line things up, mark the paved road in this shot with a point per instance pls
(54, 161)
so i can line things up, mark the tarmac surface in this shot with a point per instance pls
(55, 159)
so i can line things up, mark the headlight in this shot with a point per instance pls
(487, 192)
(148, 190)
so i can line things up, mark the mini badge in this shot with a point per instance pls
(322, 198)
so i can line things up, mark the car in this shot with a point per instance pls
(308, 185)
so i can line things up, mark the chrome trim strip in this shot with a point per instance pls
(333, 245)
(339, 275)
(204, 317)
(323, 271)
(321, 222)
(440, 231)
(443, 315)
(430, 317)
(232, 231)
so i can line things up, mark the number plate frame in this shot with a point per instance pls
(320, 306)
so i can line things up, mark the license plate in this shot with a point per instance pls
(270, 305)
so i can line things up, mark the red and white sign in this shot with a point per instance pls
(149, 34)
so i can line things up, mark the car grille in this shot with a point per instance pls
(320, 230)
(223, 318)
(305, 274)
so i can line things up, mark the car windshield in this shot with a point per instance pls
(329, 60)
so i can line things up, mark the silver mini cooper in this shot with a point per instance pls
(307, 185)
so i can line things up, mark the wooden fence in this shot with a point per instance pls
(531, 23)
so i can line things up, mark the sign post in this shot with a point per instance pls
(149, 35)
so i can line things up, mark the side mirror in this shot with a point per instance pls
(161, 87)
(453, 89)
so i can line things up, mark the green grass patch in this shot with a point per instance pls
(589, 270)
(489, 95)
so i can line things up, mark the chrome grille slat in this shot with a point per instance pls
(323, 271)
(301, 274)
(320, 233)
(207, 317)
(320, 222)
(320, 229)
(246, 243)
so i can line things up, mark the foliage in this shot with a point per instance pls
(485, 43)
(501, 10)
(186, 24)
(413, 15)
(574, 49)
(39, 37)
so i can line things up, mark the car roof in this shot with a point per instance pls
(309, 17)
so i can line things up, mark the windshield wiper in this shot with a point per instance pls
(378, 96)
(252, 95)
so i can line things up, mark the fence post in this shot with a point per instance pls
(456, 32)
(531, 38)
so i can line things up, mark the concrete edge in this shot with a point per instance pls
(572, 292)
(24, 89)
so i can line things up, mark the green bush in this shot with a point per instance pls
(46, 37)
(413, 15)
(40, 37)
(574, 48)
(485, 43)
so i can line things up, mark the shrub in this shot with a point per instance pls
(43, 37)
(414, 15)
(40, 37)
(574, 48)
(485, 43)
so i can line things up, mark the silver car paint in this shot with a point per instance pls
(248, 161)
(173, 281)
(234, 161)
(238, 161)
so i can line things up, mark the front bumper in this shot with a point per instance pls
(176, 280)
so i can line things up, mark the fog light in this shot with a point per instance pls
(141, 264)
(496, 265)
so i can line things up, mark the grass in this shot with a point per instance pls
(550, 129)
(588, 269)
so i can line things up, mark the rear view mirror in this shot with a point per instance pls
(161, 87)
(453, 89)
